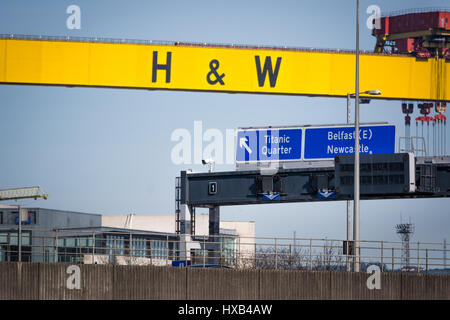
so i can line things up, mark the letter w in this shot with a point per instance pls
(266, 309)
(267, 69)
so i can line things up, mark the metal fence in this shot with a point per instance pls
(415, 10)
(131, 248)
(330, 254)
(185, 44)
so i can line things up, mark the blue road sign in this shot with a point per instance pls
(326, 143)
(181, 263)
(326, 194)
(271, 196)
(269, 145)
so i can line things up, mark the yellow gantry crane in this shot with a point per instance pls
(128, 64)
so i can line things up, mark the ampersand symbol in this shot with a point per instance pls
(214, 65)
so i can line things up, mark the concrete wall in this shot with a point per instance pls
(49, 281)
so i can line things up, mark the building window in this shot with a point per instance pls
(227, 249)
(70, 242)
(175, 250)
(3, 237)
(50, 255)
(159, 249)
(138, 246)
(115, 245)
(9, 248)
(26, 239)
(1, 217)
(73, 249)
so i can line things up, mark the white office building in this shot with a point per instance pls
(237, 238)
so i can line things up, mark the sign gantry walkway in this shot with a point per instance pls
(23, 193)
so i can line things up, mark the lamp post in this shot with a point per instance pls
(356, 172)
(348, 201)
(356, 191)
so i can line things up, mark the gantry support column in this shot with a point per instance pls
(214, 240)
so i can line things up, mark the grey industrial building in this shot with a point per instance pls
(50, 235)
(65, 236)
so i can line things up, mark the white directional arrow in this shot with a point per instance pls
(326, 193)
(243, 143)
(271, 196)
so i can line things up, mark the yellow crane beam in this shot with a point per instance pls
(219, 69)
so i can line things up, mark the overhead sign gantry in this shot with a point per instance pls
(383, 176)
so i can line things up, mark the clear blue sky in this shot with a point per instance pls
(108, 151)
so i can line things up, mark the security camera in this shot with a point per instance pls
(210, 162)
(207, 161)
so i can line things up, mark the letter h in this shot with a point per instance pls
(165, 67)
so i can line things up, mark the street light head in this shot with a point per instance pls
(373, 92)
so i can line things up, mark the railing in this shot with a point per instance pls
(186, 44)
(415, 145)
(124, 248)
(328, 254)
(83, 39)
(415, 10)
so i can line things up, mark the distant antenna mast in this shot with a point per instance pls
(405, 230)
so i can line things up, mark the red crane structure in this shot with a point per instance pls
(424, 32)
(439, 131)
